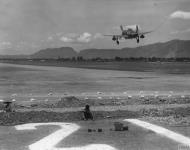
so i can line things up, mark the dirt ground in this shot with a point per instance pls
(164, 110)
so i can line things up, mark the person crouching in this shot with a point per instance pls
(87, 113)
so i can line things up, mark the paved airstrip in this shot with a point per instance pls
(75, 136)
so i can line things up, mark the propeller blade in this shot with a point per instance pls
(121, 27)
(137, 29)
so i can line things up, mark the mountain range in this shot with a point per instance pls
(173, 48)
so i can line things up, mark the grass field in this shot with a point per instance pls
(159, 67)
(40, 80)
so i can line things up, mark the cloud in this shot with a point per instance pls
(66, 39)
(180, 14)
(84, 38)
(79, 38)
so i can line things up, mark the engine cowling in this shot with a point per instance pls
(142, 36)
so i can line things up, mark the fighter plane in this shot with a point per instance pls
(131, 32)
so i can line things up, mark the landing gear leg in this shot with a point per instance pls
(117, 42)
(137, 39)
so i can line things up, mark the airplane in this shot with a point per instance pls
(129, 33)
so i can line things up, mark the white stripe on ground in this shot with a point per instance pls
(162, 131)
(49, 142)
(89, 147)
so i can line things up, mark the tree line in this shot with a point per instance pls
(120, 59)
(99, 59)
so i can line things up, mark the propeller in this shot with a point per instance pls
(137, 29)
(121, 27)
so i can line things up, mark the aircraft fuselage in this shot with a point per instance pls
(129, 34)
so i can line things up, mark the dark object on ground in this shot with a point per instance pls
(94, 130)
(8, 107)
(87, 113)
(118, 126)
(89, 130)
(34, 105)
(125, 128)
(99, 130)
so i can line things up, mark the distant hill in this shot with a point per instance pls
(63, 52)
(174, 48)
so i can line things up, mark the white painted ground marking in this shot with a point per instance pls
(89, 147)
(162, 131)
(49, 142)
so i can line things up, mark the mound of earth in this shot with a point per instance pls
(71, 101)
(64, 102)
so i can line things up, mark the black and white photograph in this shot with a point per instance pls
(94, 74)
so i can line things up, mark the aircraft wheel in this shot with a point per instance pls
(138, 40)
(117, 42)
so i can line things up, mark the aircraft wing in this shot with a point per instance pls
(108, 35)
(142, 33)
(116, 36)
(113, 35)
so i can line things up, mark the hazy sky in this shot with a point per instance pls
(30, 25)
